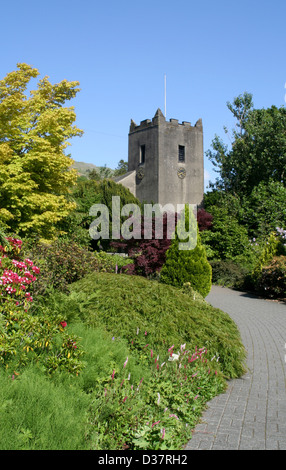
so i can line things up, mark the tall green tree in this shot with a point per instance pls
(265, 209)
(258, 149)
(35, 174)
(85, 194)
(121, 169)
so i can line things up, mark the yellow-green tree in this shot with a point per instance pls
(35, 174)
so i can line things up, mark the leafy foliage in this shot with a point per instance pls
(205, 220)
(147, 255)
(272, 249)
(118, 402)
(188, 265)
(264, 209)
(24, 337)
(35, 174)
(258, 151)
(85, 194)
(63, 262)
(121, 169)
(228, 273)
(227, 239)
(272, 279)
(157, 413)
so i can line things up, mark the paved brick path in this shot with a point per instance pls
(251, 414)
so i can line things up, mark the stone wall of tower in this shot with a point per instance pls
(181, 182)
(146, 173)
(162, 178)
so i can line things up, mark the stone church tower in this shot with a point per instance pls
(165, 161)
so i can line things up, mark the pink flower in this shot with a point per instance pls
(113, 374)
(163, 433)
(63, 323)
(125, 363)
(154, 424)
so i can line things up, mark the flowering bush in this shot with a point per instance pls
(281, 234)
(158, 413)
(24, 336)
(272, 280)
(63, 262)
(16, 276)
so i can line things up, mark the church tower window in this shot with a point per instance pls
(142, 153)
(181, 154)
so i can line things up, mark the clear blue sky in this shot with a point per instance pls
(119, 51)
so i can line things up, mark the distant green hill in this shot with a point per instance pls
(84, 168)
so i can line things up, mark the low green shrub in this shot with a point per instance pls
(43, 339)
(268, 251)
(112, 262)
(123, 303)
(272, 247)
(272, 279)
(228, 273)
(63, 262)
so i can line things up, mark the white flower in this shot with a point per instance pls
(174, 357)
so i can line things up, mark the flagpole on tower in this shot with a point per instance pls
(165, 83)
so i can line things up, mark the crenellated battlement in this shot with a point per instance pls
(158, 119)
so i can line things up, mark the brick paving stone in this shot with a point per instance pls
(251, 413)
